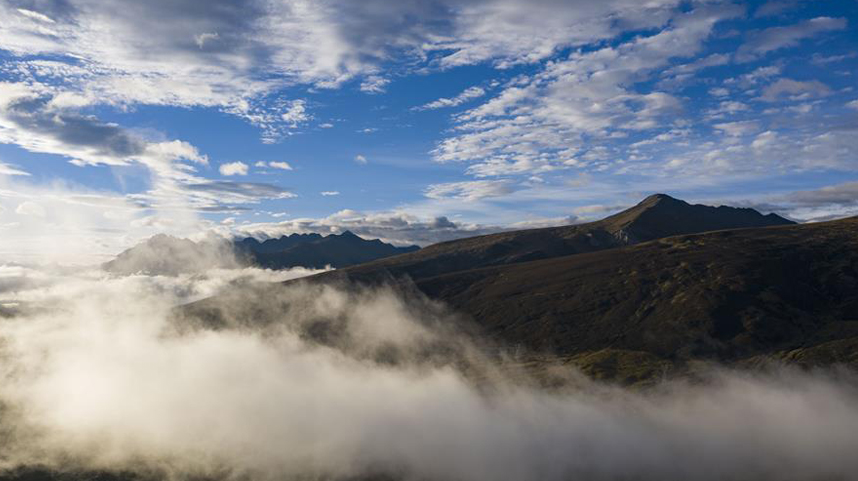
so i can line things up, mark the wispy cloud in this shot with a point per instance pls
(776, 38)
(468, 94)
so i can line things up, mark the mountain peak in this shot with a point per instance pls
(659, 197)
(661, 215)
(661, 200)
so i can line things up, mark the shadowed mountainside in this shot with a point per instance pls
(738, 297)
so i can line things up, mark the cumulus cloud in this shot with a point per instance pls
(31, 119)
(233, 168)
(28, 119)
(280, 165)
(794, 89)
(738, 129)
(360, 159)
(100, 374)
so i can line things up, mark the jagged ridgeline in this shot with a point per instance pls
(167, 255)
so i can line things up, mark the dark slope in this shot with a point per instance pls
(723, 295)
(316, 251)
(655, 217)
(632, 314)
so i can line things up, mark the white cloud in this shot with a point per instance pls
(30, 120)
(820, 59)
(326, 125)
(738, 129)
(30, 208)
(775, 7)
(35, 15)
(727, 108)
(360, 159)
(776, 38)
(296, 113)
(202, 38)
(374, 84)
(518, 31)
(712, 60)
(6, 169)
(233, 168)
(852, 104)
(212, 54)
(795, 90)
(740, 152)
(466, 95)
(328, 193)
(469, 190)
(540, 123)
(280, 165)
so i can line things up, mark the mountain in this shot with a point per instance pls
(167, 255)
(276, 245)
(655, 217)
(631, 314)
(787, 292)
(313, 250)
(603, 296)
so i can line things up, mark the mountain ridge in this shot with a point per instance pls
(657, 216)
(318, 251)
(163, 254)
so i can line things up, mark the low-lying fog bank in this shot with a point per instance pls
(98, 374)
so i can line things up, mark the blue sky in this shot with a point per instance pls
(413, 121)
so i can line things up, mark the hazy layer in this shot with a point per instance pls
(96, 375)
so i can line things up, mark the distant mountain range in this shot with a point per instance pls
(660, 288)
(314, 250)
(167, 255)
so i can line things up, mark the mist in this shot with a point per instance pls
(102, 372)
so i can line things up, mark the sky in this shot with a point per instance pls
(413, 121)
